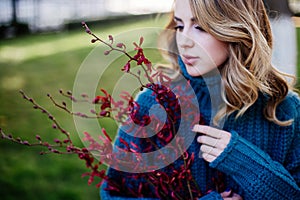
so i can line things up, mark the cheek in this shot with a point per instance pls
(214, 49)
(219, 53)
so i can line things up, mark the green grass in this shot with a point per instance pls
(41, 64)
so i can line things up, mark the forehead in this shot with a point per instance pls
(182, 10)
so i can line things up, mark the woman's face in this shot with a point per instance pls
(199, 50)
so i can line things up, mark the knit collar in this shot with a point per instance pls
(207, 89)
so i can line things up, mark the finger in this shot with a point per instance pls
(208, 157)
(220, 144)
(210, 141)
(226, 193)
(207, 130)
(210, 150)
(236, 197)
(232, 198)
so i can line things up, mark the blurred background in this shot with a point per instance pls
(31, 16)
(42, 46)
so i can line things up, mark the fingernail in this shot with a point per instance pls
(228, 189)
(193, 129)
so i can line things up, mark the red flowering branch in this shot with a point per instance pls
(56, 125)
(139, 57)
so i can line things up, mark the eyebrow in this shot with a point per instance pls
(180, 20)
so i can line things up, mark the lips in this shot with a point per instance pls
(189, 60)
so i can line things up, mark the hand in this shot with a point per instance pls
(213, 141)
(230, 196)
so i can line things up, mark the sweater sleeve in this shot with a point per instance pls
(257, 174)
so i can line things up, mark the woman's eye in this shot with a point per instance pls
(199, 28)
(179, 28)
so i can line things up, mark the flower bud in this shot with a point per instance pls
(38, 137)
(85, 150)
(55, 151)
(141, 41)
(87, 30)
(120, 45)
(57, 141)
(104, 113)
(66, 141)
(46, 144)
(69, 149)
(84, 95)
(106, 52)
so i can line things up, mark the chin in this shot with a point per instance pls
(194, 72)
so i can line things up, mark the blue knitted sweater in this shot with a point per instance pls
(262, 160)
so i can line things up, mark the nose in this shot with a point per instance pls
(184, 40)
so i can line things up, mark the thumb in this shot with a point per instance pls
(226, 193)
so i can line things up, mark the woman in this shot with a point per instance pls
(250, 147)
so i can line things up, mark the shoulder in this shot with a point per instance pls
(292, 98)
(289, 108)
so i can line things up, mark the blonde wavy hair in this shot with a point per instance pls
(244, 25)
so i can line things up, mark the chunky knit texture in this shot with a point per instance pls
(262, 160)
